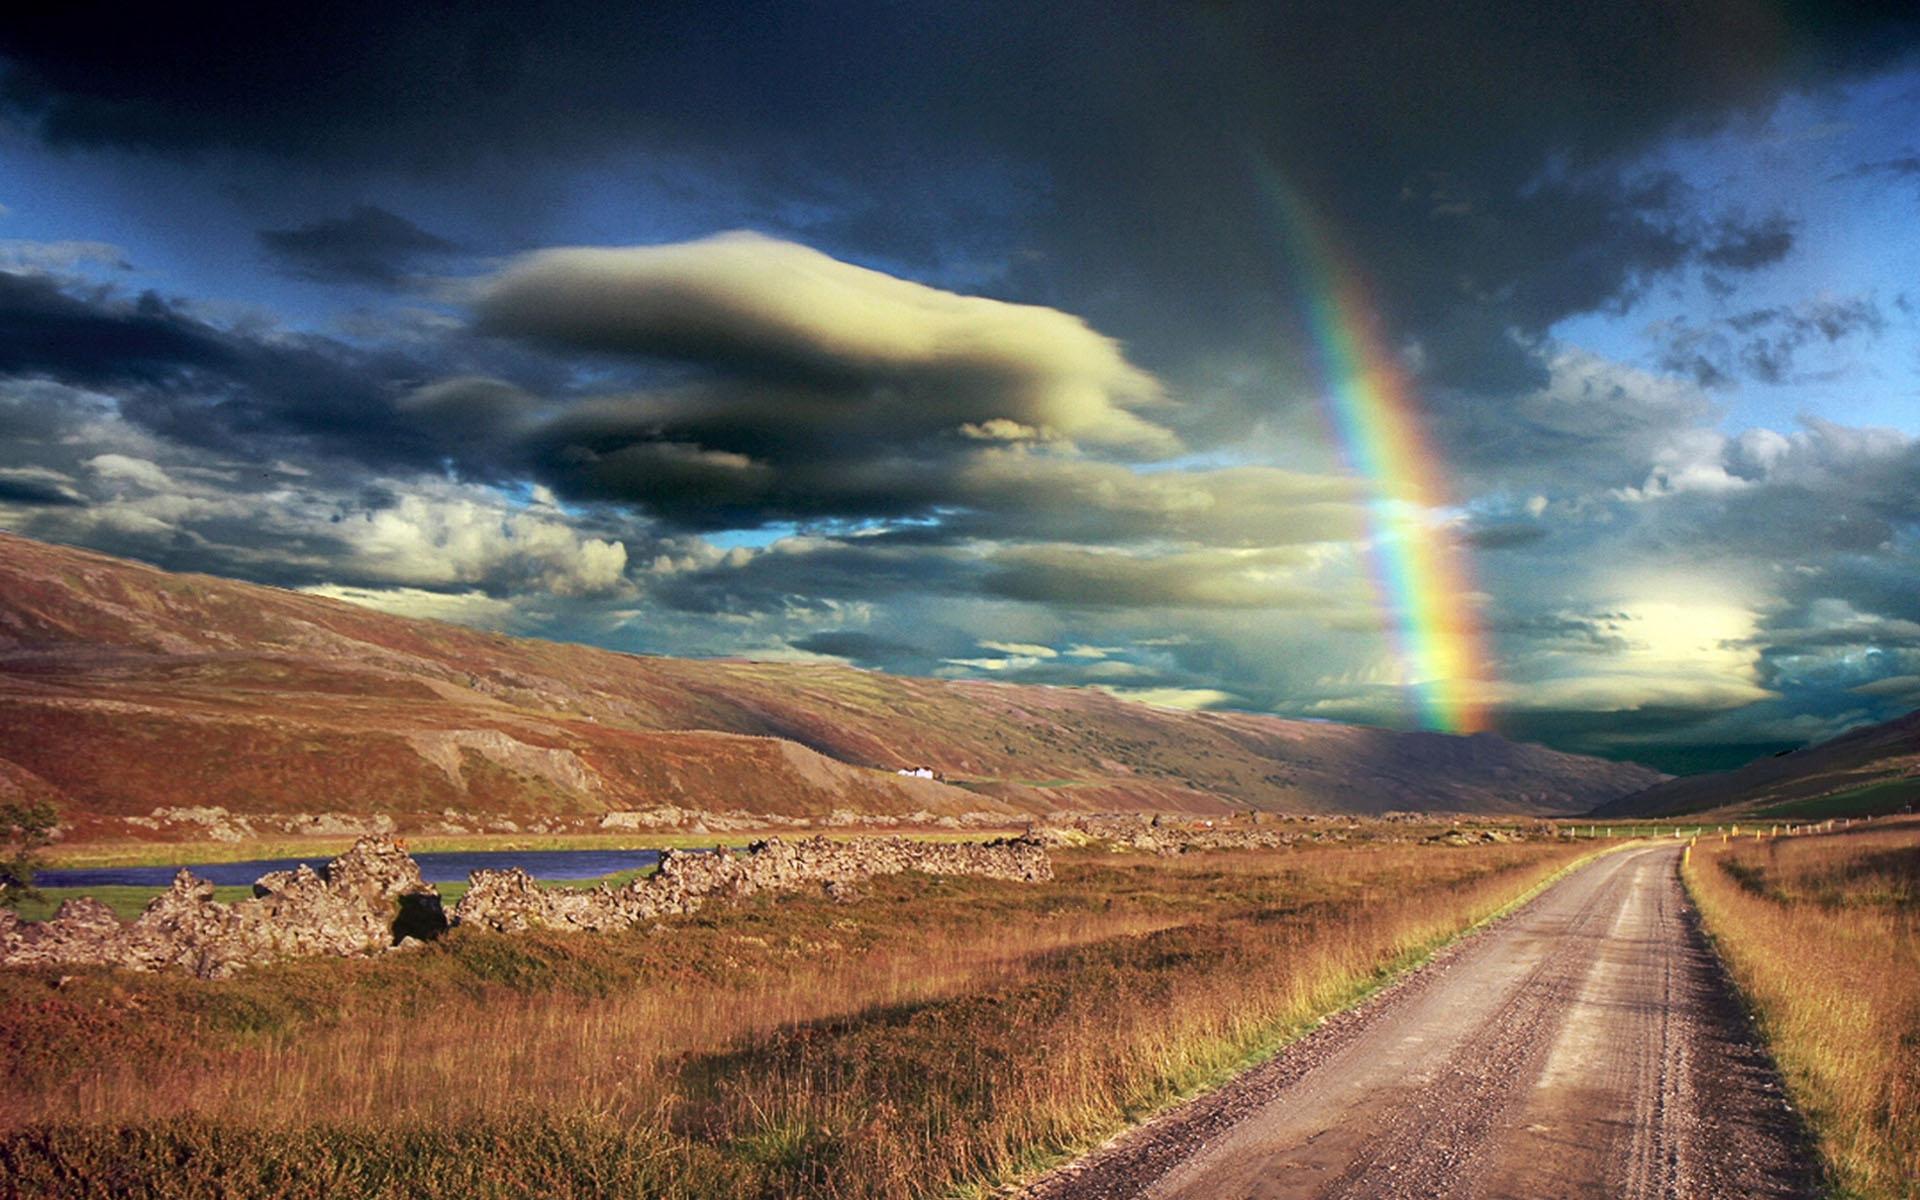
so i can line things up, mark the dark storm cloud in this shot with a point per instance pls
(1485, 200)
(1524, 113)
(1505, 536)
(863, 648)
(1766, 344)
(37, 488)
(733, 454)
(1073, 577)
(243, 389)
(369, 245)
(1745, 247)
(817, 569)
(681, 459)
(1906, 166)
(44, 330)
(1594, 634)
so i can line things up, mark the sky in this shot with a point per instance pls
(1551, 370)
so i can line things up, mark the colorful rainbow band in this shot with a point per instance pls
(1419, 574)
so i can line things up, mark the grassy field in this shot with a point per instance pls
(935, 1035)
(1822, 932)
(1873, 800)
(126, 901)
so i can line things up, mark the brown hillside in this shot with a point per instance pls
(124, 688)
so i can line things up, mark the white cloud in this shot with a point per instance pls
(463, 608)
(1685, 653)
(446, 541)
(18, 255)
(1021, 649)
(1173, 697)
(740, 299)
(1901, 687)
(140, 472)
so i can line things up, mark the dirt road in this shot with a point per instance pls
(1586, 1046)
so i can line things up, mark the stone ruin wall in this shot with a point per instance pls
(353, 908)
(511, 900)
(1169, 837)
(370, 899)
(1156, 835)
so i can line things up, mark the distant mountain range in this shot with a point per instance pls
(1874, 769)
(124, 688)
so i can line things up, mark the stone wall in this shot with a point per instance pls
(1168, 836)
(1159, 835)
(370, 899)
(362, 903)
(511, 900)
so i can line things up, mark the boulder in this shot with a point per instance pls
(83, 931)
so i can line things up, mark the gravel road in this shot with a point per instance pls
(1586, 1046)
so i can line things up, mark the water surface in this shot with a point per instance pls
(435, 867)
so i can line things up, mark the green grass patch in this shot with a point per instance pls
(1873, 800)
(126, 901)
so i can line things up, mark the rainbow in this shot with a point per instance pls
(1420, 576)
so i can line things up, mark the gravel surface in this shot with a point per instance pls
(1588, 1045)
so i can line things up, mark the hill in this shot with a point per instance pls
(125, 689)
(1868, 770)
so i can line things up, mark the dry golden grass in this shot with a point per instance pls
(938, 1034)
(1822, 932)
(497, 1052)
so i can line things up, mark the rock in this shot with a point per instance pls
(666, 816)
(216, 822)
(330, 824)
(82, 932)
(1474, 837)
